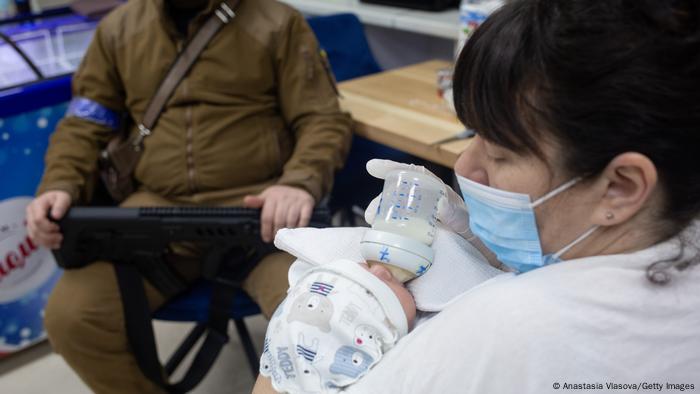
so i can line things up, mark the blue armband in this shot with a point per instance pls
(84, 108)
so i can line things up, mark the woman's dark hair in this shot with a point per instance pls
(599, 78)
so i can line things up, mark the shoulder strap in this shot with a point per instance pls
(182, 64)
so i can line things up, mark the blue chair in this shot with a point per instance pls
(343, 39)
(193, 306)
(342, 36)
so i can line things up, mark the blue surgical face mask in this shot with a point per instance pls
(505, 223)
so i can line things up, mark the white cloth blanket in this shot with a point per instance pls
(458, 266)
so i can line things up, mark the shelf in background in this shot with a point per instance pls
(443, 24)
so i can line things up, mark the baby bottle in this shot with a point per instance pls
(405, 224)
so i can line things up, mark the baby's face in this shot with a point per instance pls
(399, 289)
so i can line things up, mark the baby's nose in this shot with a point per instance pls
(381, 272)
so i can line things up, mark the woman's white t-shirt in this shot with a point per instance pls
(588, 325)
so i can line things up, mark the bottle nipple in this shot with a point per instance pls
(399, 273)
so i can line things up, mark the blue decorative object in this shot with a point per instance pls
(22, 321)
(27, 275)
(23, 142)
(28, 98)
(29, 114)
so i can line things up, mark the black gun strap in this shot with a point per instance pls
(162, 276)
(137, 319)
(217, 337)
(139, 330)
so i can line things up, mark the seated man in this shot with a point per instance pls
(255, 123)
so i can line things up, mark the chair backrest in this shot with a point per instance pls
(343, 38)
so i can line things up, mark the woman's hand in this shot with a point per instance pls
(452, 211)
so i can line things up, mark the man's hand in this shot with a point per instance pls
(41, 230)
(282, 206)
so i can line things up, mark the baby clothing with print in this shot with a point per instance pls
(336, 323)
(338, 319)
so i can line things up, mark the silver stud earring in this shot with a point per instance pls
(609, 216)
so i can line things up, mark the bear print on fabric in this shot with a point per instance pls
(367, 336)
(350, 362)
(313, 307)
(309, 378)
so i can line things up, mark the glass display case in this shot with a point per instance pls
(37, 57)
(44, 48)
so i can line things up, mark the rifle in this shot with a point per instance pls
(124, 234)
(137, 241)
(143, 236)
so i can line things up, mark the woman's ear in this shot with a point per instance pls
(628, 181)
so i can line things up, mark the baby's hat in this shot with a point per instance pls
(458, 266)
(386, 298)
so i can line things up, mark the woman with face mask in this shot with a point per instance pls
(584, 180)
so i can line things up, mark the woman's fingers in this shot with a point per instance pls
(378, 168)
(372, 208)
(454, 216)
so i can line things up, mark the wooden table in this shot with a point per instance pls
(400, 108)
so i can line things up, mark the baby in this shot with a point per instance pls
(336, 323)
(341, 316)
